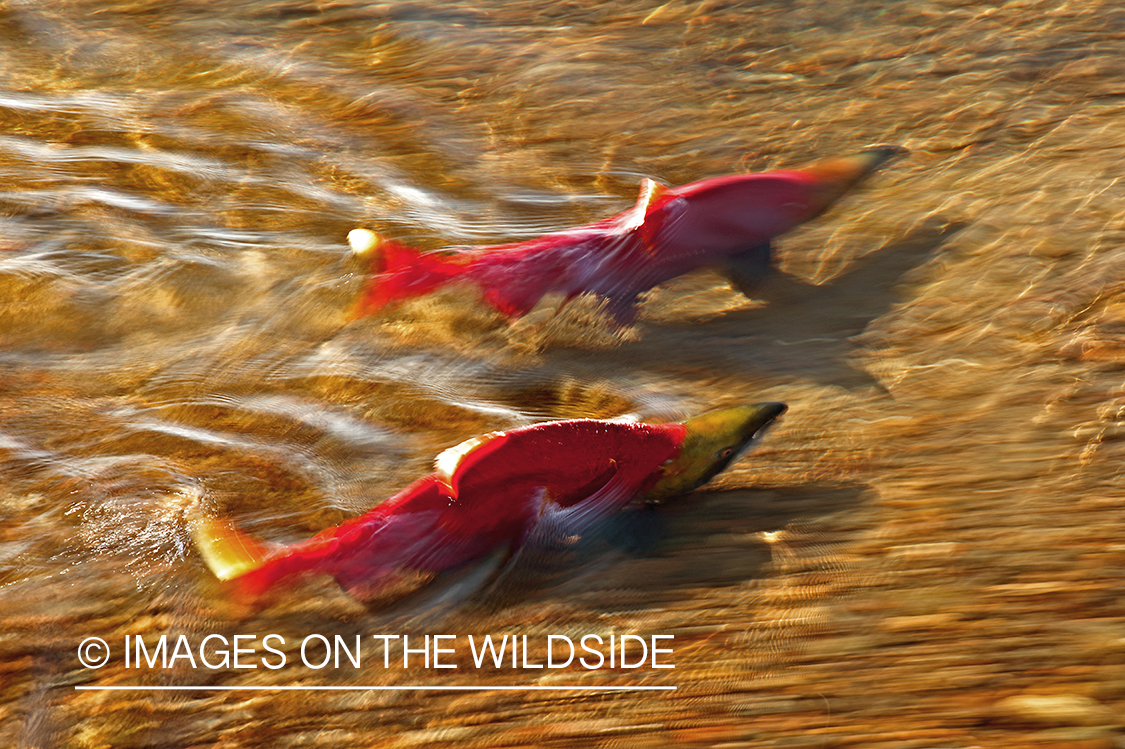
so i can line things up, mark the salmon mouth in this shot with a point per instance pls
(773, 412)
(770, 414)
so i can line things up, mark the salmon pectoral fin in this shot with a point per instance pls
(557, 523)
(557, 526)
(747, 270)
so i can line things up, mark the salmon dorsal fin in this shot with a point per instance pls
(449, 461)
(651, 190)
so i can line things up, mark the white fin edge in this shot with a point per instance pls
(449, 460)
(651, 190)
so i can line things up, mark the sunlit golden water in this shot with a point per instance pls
(927, 552)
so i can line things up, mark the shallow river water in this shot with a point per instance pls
(926, 552)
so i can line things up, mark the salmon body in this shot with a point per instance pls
(724, 222)
(494, 493)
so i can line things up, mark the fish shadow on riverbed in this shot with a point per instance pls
(802, 331)
(654, 557)
(644, 557)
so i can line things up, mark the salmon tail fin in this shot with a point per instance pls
(398, 272)
(232, 556)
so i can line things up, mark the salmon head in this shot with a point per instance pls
(711, 441)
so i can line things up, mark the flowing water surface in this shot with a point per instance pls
(928, 551)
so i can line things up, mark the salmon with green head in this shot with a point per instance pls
(727, 223)
(711, 442)
(496, 492)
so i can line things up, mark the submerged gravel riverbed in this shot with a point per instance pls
(926, 552)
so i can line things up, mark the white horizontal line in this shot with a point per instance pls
(377, 688)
